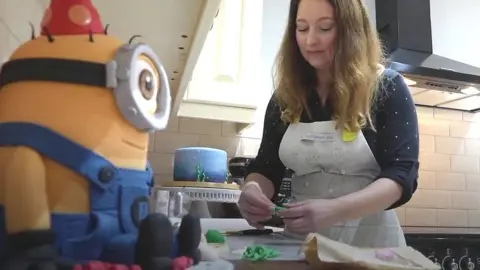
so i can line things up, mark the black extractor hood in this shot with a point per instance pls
(405, 28)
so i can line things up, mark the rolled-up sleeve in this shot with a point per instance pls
(267, 162)
(397, 142)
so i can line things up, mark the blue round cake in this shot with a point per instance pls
(200, 164)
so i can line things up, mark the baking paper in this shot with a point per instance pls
(319, 250)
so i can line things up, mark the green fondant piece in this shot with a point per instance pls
(228, 175)
(277, 209)
(260, 253)
(215, 237)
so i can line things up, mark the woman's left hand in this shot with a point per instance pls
(310, 215)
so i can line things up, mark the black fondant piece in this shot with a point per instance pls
(197, 257)
(155, 244)
(189, 235)
(163, 263)
(34, 250)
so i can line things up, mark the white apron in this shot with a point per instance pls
(326, 166)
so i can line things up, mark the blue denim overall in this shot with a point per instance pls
(118, 198)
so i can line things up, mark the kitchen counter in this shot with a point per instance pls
(292, 257)
(290, 249)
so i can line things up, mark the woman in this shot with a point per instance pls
(346, 126)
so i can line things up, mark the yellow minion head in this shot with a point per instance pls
(91, 87)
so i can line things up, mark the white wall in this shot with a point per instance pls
(371, 10)
(275, 15)
(456, 31)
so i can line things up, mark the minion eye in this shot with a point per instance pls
(146, 84)
(148, 80)
(141, 86)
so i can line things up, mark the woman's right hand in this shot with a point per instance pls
(254, 205)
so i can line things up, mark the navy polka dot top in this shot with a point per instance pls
(394, 144)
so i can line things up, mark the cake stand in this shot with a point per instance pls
(171, 197)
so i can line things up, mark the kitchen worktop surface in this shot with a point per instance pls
(290, 249)
(291, 256)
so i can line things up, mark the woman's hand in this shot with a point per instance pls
(310, 215)
(254, 205)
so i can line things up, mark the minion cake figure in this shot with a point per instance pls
(76, 109)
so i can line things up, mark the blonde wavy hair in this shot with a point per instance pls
(358, 61)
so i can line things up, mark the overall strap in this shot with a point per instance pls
(56, 147)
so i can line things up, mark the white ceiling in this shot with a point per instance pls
(166, 25)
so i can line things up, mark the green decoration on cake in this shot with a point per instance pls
(228, 175)
(204, 177)
(201, 175)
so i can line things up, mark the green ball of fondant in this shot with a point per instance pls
(214, 236)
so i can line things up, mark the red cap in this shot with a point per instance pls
(71, 17)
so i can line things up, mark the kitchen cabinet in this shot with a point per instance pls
(228, 64)
(225, 78)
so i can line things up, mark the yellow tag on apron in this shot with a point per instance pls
(349, 136)
(297, 120)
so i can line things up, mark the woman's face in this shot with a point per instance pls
(316, 32)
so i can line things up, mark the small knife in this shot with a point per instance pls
(251, 232)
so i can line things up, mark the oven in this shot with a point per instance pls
(451, 251)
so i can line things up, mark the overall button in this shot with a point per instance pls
(106, 174)
(307, 184)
